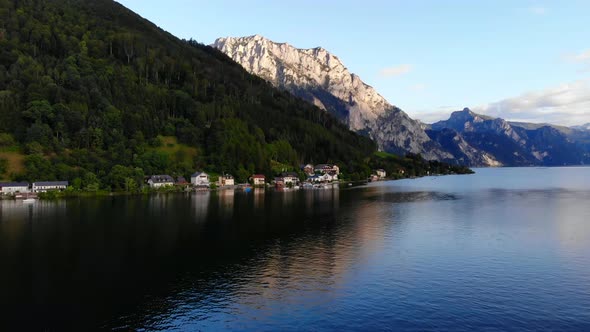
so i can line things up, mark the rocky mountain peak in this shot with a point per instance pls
(467, 120)
(464, 115)
(286, 66)
(320, 77)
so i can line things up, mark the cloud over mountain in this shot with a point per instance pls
(566, 104)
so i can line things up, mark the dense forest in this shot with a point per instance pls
(91, 91)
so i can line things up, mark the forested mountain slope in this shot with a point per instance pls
(87, 87)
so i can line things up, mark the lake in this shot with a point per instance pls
(503, 249)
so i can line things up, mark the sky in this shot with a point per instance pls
(521, 60)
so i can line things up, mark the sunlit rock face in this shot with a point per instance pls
(321, 78)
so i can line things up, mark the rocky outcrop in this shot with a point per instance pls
(463, 152)
(321, 78)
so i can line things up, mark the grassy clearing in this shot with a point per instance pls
(385, 155)
(172, 148)
(15, 162)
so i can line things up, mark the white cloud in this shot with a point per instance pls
(538, 10)
(417, 87)
(396, 71)
(583, 56)
(567, 104)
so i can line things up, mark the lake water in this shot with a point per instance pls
(503, 249)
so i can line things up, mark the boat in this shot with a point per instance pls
(307, 185)
(26, 197)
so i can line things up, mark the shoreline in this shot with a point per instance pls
(56, 195)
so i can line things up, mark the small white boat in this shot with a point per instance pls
(29, 200)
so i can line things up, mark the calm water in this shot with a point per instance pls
(504, 249)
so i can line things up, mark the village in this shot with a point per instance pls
(321, 176)
(317, 177)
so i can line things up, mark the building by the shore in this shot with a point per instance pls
(11, 188)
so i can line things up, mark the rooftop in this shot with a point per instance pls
(14, 184)
(291, 174)
(51, 183)
(161, 178)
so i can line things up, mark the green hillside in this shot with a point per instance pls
(89, 85)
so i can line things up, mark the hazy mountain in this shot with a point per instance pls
(321, 78)
(476, 139)
(582, 127)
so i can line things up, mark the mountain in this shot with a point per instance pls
(91, 91)
(321, 78)
(465, 138)
(480, 140)
(463, 152)
(582, 127)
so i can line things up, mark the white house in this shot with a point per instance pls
(290, 177)
(200, 179)
(41, 187)
(157, 181)
(258, 179)
(317, 178)
(10, 188)
(381, 173)
(323, 177)
(226, 180)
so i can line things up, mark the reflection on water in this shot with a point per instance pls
(18, 211)
(448, 253)
(259, 196)
(200, 201)
(225, 199)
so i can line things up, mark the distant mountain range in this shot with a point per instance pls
(476, 140)
(582, 127)
(465, 138)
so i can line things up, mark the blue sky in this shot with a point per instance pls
(521, 60)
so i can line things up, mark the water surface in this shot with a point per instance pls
(503, 249)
